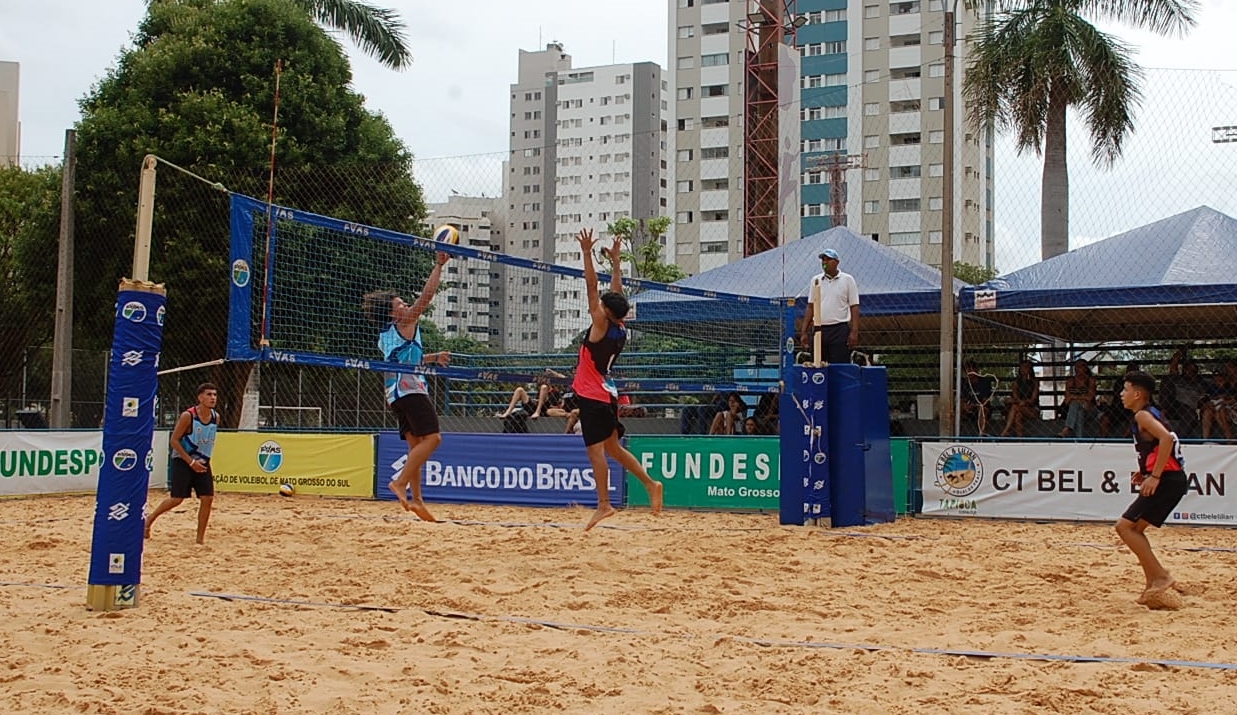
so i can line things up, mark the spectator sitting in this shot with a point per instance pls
(549, 399)
(1114, 414)
(750, 427)
(573, 412)
(627, 409)
(1222, 407)
(1023, 401)
(1079, 399)
(977, 392)
(766, 414)
(1185, 395)
(731, 421)
(696, 419)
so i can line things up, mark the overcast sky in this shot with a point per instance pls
(453, 100)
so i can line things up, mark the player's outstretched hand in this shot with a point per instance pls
(585, 237)
(444, 358)
(615, 251)
(442, 257)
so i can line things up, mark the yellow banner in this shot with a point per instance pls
(327, 465)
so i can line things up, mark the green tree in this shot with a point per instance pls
(176, 94)
(1034, 59)
(973, 274)
(643, 240)
(29, 232)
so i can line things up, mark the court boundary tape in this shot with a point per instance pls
(764, 642)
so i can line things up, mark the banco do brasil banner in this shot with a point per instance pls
(514, 469)
(709, 472)
(340, 465)
(1075, 481)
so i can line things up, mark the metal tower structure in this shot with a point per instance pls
(769, 23)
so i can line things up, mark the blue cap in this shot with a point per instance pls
(829, 253)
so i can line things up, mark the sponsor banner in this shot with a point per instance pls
(46, 462)
(1075, 481)
(510, 469)
(709, 472)
(338, 465)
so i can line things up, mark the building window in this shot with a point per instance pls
(904, 238)
(714, 152)
(871, 11)
(871, 76)
(835, 48)
(715, 60)
(897, 8)
(872, 43)
(903, 205)
(715, 90)
(871, 207)
(936, 37)
(684, 155)
(722, 215)
(936, 69)
(683, 187)
(912, 171)
(934, 236)
(935, 104)
(936, 169)
(936, 136)
(872, 109)
(686, 31)
(871, 174)
(683, 217)
(871, 141)
(684, 93)
(909, 105)
(686, 124)
(935, 203)
(714, 28)
(686, 63)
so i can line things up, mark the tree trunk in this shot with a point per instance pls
(230, 378)
(1054, 193)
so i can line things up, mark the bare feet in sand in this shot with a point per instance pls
(416, 506)
(603, 511)
(655, 496)
(1158, 586)
(400, 491)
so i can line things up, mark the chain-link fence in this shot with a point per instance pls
(530, 202)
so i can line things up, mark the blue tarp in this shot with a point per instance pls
(1174, 278)
(890, 283)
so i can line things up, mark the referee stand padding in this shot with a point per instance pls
(836, 461)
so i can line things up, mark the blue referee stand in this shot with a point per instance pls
(835, 457)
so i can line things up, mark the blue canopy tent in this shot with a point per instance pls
(900, 298)
(1175, 279)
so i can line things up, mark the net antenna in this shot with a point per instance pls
(270, 210)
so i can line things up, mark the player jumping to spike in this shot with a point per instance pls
(407, 393)
(596, 394)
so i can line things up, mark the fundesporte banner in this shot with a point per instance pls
(1062, 480)
(54, 462)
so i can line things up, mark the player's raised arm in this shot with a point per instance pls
(409, 320)
(616, 273)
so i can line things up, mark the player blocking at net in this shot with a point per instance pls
(407, 393)
(596, 394)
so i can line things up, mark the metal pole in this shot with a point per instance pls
(59, 415)
(145, 218)
(946, 408)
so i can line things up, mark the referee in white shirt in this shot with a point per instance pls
(831, 326)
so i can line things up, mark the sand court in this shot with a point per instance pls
(312, 605)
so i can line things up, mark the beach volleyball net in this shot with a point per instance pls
(297, 282)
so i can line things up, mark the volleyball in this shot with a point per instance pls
(447, 233)
(286, 490)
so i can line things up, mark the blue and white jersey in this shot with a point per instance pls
(397, 348)
(199, 441)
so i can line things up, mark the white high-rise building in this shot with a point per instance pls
(587, 147)
(10, 128)
(469, 304)
(871, 88)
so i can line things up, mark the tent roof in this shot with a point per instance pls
(1171, 279)
(899, 297)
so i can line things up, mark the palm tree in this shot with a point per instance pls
(1034, 59)
(379, 32)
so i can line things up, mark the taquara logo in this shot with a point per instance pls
(124, 459)
(133, 311)
(240, 273)
(270, 456)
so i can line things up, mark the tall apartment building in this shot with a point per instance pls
(470, 302)
(871, 87)
(10, 128)
(587, 147)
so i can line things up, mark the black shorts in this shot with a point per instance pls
(1155, 509)
(416, 416)
(833, 338)
(598, 420)
(184, 480)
